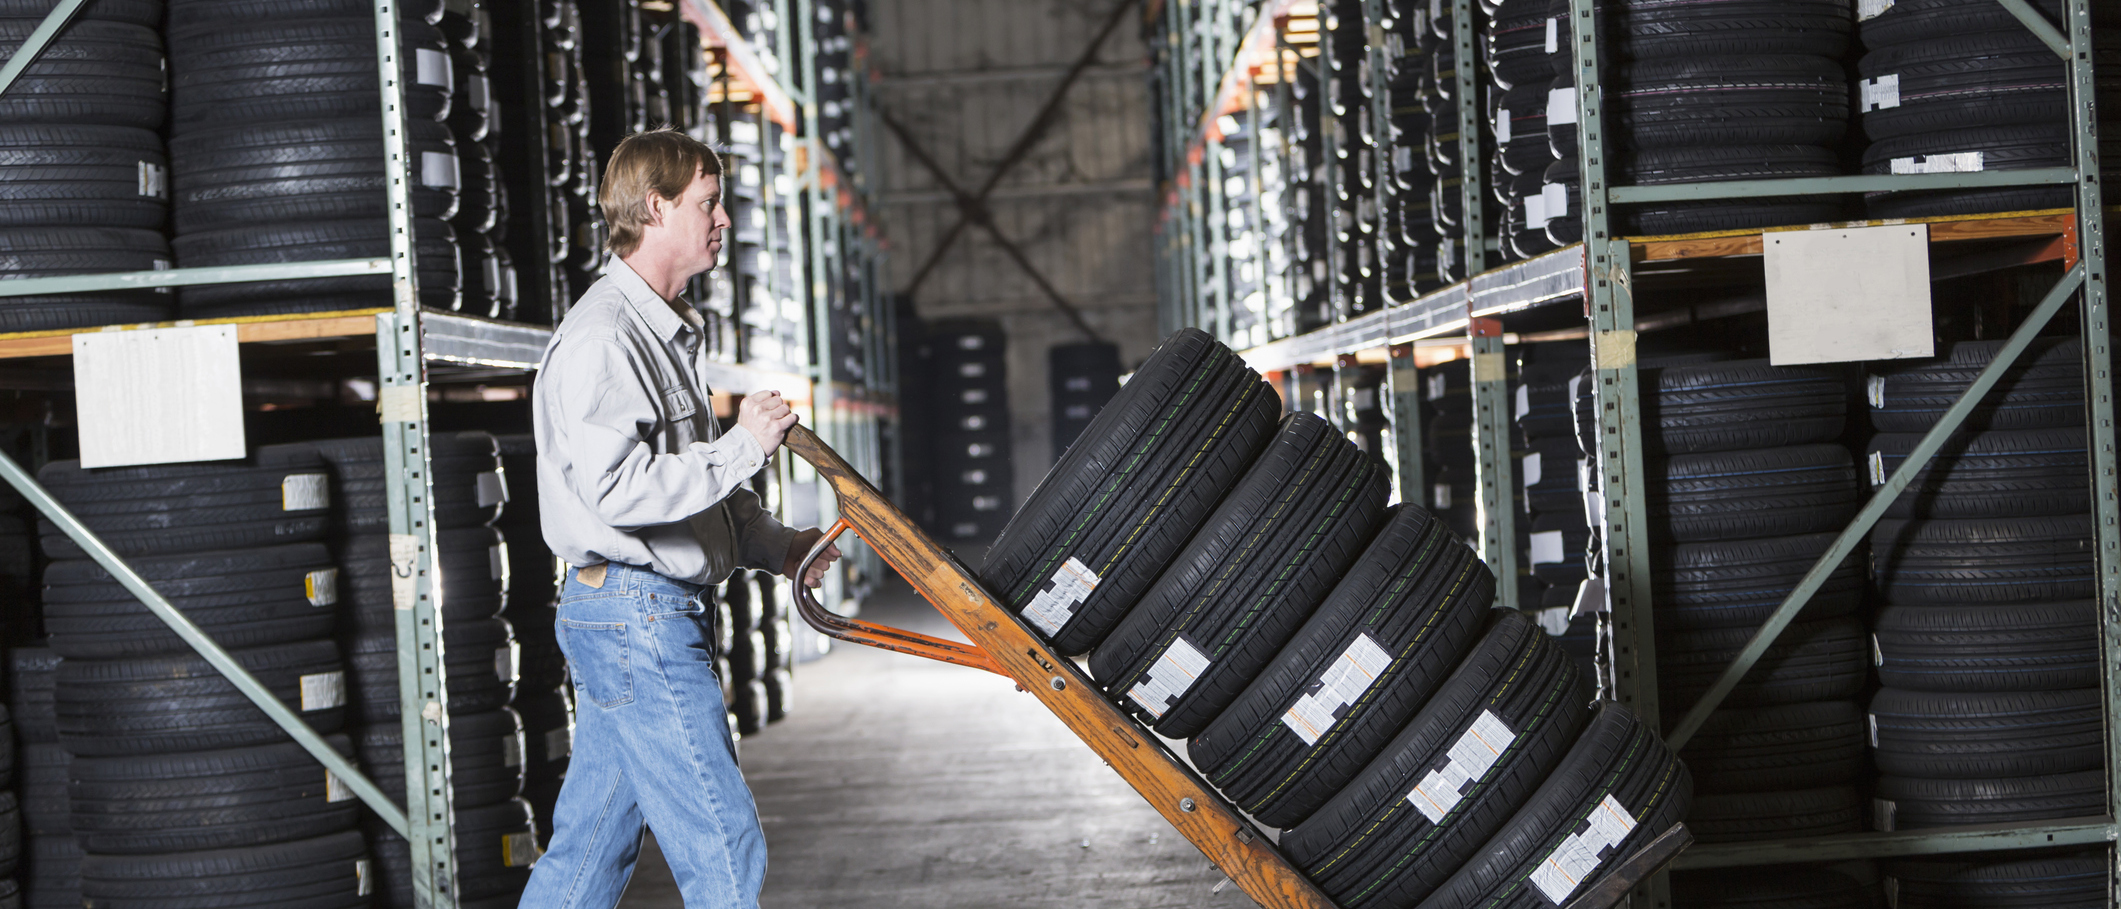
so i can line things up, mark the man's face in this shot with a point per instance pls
(696, 221)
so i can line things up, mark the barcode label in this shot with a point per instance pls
(154, 180)
(1561, 106)
(1578, 856)
(1871, 9)
(1874, 389)
(1877, 465)
(519, 850)
(1881, 93)
(335, 791)
(1325, 701)
(321, 587)
(364, 884)
(323, 691)
(305, 492)
(1470, 758)
(1953, 163)
(431, 67)
(1169, 677)
(1056, 604)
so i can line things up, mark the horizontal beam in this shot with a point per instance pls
(1819, 186)
(1935, 841)
(180, 277)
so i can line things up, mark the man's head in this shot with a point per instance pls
(663, 190)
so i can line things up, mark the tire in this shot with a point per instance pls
(251, 174)
(10, 840)
(1559, 490)
(1526, 109)
(54, 875)
(750, 706)
(487, 756)
(1994, 147)
(294, 69)
(490, 842)
(1617, 761)
(2023, 647)
(467, 558)
(161, 803)
(60, 176)
(1981, 735)
(44, 804)
(1785, 747)
(194, 13)
(1739, 583)
(95, 73)
(30, 681)
(276, 496)
(1966, 81)
(151, 705)
(1559, 542)
(1999, 473)
(548, 732)
(1783, 887)
(1809, 661)
(1901, 803)
(1746, 99)
(1908, 21)
(1124, 499)
(1257, 567)
(469, 485)
(1652, 29)
(780, 694)
(247, 598)
(438, 269)
(137, 12)
(2071, 880)
(51, 251)
(479, 662)
(1773, 492)
(1517, 700)
(1417, 594)
(1739, 817)
(326, 872)
(1743, 404)
(2043, 389)
(1516, 51)
(1984, 560)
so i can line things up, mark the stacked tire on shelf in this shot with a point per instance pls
(1988, 649)
(50, 858)
(1347, 681)
(1553, 475)
(495, 835)
(181, 791)
(481, 221)
(1408, 219)
(83, 175)
(544, 697)
(1361, 247)
(276, 151)
(1439, 94)
(1514, 46)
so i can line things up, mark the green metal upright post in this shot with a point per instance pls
(1403, 382)
(1472, 182)
(1495, 474)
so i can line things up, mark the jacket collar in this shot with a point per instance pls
(651, 306)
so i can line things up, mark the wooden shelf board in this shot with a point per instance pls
(299, 327)
(1942, 230)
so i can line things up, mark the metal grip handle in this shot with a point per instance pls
(840, 627)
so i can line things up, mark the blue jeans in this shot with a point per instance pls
(651, 744)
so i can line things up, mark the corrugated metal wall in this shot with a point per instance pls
(965, 78)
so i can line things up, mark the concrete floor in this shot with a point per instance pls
(903, 782)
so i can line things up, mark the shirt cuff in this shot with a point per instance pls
(736, 449)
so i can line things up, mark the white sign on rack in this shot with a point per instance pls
(158, 396)
(1836, 296)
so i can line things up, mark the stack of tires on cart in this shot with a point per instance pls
(1334, 662)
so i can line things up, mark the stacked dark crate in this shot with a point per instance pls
(969, 447)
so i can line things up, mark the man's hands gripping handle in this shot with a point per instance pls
(766, 415)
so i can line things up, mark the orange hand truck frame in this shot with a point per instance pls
(1003, 645)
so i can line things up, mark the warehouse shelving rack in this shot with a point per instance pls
(1601, 276)
(416, 346)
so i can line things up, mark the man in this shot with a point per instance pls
(646, 501)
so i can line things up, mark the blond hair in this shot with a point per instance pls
(664, 161)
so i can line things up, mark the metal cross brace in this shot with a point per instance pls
(38, 40)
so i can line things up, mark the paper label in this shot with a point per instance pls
(511, 751)
(1874, 390)
(1524, 403)
(439, 170)
(1169, 677)
(1326, 700)
(1470, 758)
(431, 67)
(1877, 465)
(1440, 497)
(1554, 201)
(492, 486)
(559, 743)
(1880, 93)
(321, 587)
(1548, 548)
(1954, 163)
(154, 180)
(505, 660)
(1056, 604)
(1554, 620)
(497, 562)
(1877, 652)
(1871, 9)
(335, 791)
(365, 884)
(1530, 465)
(1891, 886)
(1872, 718)
(305, 492)
(323, 691)
(1578, 855)
(478, 93)
(519, 850)
(1561, 106)
(1535, 212)
(1882, 811)
(1553, 34)
(1439, 385)
(404, 562)
(1502, 125)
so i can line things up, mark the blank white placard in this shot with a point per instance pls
(158, 396)
(1835, 296)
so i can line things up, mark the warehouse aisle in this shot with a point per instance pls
(901, 782)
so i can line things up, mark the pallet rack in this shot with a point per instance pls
(416, 347)
(1589, 290)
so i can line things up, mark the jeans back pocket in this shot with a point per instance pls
(596, 654)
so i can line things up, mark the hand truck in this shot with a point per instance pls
(1003, 645)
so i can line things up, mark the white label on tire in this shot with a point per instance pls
(1881, 93)
(505, 662)
(323, 691)
(1470, 758)
(519, 850)
(1440, 497)
(1168, 678)
(479, 93)
(1056, 604)
(1873, 718)
(1891, 886)
(1325, 701)
(438, 170)
(1524, 401)
(431, 67)
(1871, 9)
(1874, 389)
(1882, 811)
(321, 587)
(364, 884)
(154, 180)
(1877, 652)
(1561, 106)
(1439, 386)
(1553, 34)
(1530, 464)
(497, 562)
(1554, 202)
(1548, 548)
(1502, 124)
(1877, 468)
(559, 743)
(511, 751)
(1579, 853)
(1535, 217)
(492, 486)
(334, 790)
(1953, 163)
(305, 492)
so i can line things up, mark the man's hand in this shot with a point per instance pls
(766, 417)
(804, 539)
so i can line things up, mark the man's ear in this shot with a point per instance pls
(655, 213)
